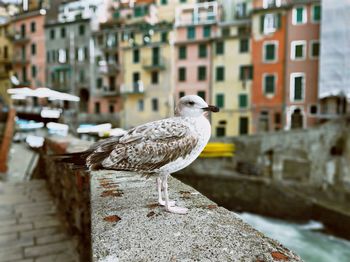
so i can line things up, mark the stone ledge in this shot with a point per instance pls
(128, 225)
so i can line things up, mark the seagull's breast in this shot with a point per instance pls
(200, 127)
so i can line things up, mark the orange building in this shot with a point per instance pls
(268, 55)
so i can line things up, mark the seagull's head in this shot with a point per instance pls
(193, 106)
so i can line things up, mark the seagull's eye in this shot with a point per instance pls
(191, 103)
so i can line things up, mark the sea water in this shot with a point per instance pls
(303, 239)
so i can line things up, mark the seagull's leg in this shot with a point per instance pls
(168, 207)
(160, 189)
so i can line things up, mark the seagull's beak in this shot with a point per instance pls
(211, 108)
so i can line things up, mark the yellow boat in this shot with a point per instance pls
(218, 150)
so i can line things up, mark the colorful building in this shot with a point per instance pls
(232, 73)
(29, 55)
(5, 60)
(195, 27)
(301, 75)
(147, 73)
(268, 56)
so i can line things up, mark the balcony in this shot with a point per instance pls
(20, 60)
(200, 13)
(153, 63)
(133, 89)
(109, 91)
(20, 39)
(108, 68)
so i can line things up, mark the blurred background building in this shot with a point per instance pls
(129, 61)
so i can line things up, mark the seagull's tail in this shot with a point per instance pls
(78, 159)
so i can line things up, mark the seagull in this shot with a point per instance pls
(156, 148)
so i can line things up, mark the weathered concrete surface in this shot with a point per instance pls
(128, 225)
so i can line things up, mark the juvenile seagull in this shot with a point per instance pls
(157, 148)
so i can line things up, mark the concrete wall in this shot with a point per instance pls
(127, 224)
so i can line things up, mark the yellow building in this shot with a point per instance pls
(5, 62)
(232, 80)
(166, 9)
(147, 74)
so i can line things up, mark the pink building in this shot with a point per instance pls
(301, 79)
(29, 48)
(195, 26)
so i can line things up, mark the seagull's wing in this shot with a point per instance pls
(151, 146)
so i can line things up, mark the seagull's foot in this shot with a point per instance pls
(177, 210)
(162, 203)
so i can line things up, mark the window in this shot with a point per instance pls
(243, 125)
(202, 50)
(82, 76)
(62, 56)
(225, 32)
(220, 100)
(244, 45)
(24, 74)
(154, 104)
(34, 71)
(299, 15)
(241, 10)
(246, 72)
(183, 1)
(136, 56)
(164, 37)
(297, 86)
(154, 77)
(270, 50)
(220, 131)
(140, 105)
(111, 108)
(313, 109)
(33, 49)
(99, 82)
(86, 53)
(23, 30)
(315, 49)
(271, 3)
(206, 31)
(81, 29)
(32, 27)
(220, 73)
(97, 107)
(63, 32)
(243, 100)
(111, 82)
(269, 23)
(277, 117)
(269, 84)
(220, 48)
(298, 50)
(316, 13)
(182, 74)
(164, 2)
(48, 57)
(52, 34)
(181, 94)
(182, 52)
(201, 94)
(202, 73)
(191, 33)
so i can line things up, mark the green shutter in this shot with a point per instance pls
(298, 88)
(299, 51)
(182, 52)
(270, 84)
(191, 33)
(300, 11)
(317, 13)
(201, 94)
(243, 100)
(270, 52)
(220, 48)
(202, 50)
(202, 73)
(220, 73)
(262, 18)
(243, 125)
(182, 74)
(206, 31)
(315, 49)
(279, 20)
(220, 100)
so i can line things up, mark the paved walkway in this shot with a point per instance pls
(30, 230)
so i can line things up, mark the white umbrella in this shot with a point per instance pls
(43, 92)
